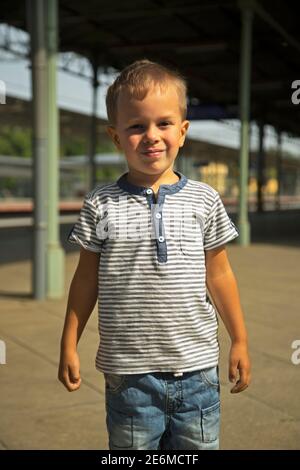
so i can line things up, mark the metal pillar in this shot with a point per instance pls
(93, 133)
(260, 168)
(55, 254)
(36, 16)
(244, 104)
(279, 168)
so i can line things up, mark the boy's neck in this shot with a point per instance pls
(152, 181)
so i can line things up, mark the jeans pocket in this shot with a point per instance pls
(120, 429)
(114, 382)
(210, 422)
(210, 376)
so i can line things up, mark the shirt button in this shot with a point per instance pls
(158, 215)
(149, 191)
(161, 239)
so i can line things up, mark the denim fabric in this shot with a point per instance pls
(158, 411)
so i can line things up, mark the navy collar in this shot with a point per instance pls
(141, 190)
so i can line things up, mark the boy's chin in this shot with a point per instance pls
(153, 167)
(156, 170)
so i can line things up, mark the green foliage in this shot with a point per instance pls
(107, 174)
(106, 146)
(15, 141)
(80, 146)
(73, 146)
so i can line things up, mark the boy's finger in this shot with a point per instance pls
(70, 385)
(244, 375)
(232, 372)
(74, 374)
(243, 382)
(239, 387)
(74, 386)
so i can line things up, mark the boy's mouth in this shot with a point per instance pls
(153, 152)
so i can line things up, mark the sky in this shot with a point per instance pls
(75, 93)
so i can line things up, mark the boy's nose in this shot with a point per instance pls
(151, 136)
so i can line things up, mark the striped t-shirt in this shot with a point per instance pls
(154, 312)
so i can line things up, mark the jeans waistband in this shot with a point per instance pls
(176, 375)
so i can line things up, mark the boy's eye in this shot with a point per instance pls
(136, 126)
(141, 126)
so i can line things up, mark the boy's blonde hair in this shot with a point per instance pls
(137, 79)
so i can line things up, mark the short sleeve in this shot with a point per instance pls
(219, 228)
(83, 232)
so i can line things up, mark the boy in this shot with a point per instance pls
(151, 244)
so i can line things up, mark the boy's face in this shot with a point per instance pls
(149, 131)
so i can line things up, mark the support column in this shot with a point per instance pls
(244, 104)
(36, 17)
(93, 134)
(55, 254)
(260, 167)
(279, 168)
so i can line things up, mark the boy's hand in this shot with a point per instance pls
(69, 370)
(239, 361)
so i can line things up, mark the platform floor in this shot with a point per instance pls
(38, 413)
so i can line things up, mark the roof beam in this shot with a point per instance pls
(94, 23)
(162, 11)
(260, 11)
(184, 47)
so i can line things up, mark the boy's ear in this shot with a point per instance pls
(184, 128)
(111, 131)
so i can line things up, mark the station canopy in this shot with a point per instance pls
(200, 38)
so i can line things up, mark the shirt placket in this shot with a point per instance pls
(156, 209)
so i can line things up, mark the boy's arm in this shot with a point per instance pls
(81, 301)
(223, 289)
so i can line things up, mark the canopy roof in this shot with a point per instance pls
(199, 37)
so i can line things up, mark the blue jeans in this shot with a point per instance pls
(158, 411)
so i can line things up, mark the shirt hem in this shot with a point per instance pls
(75, 240)
(177, 371)
(221, 242)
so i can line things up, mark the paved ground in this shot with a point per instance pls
(37, 413)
